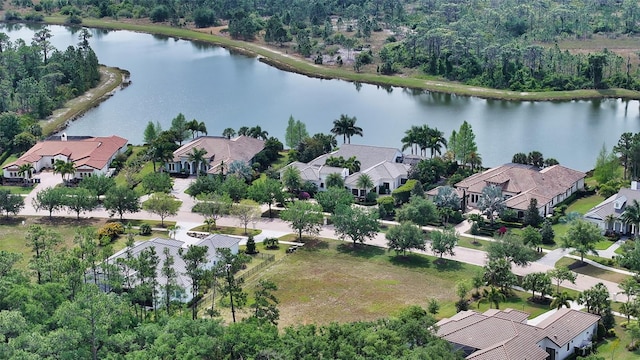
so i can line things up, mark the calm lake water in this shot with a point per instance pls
(210, 84)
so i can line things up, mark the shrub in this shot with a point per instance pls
(34, 17)
(12, 16)
(74, 19)
(402, 194)
(159, 13)
(462, 305)
(251, 246)
(145, 229)
(111, 230)
(371, 197)
(271, 244)
(386, 206)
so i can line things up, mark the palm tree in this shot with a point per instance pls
(435, 141)
(494, 296)
(631, 215)
(410, 139)
(364, 182)
(64, 168)
(258, 133)
(228, 133)
(243, 131)
(334, 180)
(197, 156)
(346, 126)
(561, 300)
(202, 128)
(26, 170)
(491, 201)
(475, 160)
(352, 164)
(193, 127)
(609, 220)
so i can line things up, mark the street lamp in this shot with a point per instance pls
(233, 310)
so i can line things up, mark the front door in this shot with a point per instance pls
(552, 353)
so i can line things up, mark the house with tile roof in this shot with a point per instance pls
(220, 152)
(521, 183)
(386, 167)
(90, 155)
(212, 242)
(607, 215)
(507, 335)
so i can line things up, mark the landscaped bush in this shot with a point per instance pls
(145, 230)
(110, 230)
(402, 194)
(271, 244)
(456, 217)
(386, 206)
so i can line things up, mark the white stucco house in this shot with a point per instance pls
(385, 166)
(212, 242)
(506, 334)
(521, 183)
(607, 215)
(220, 153)
(91, 155)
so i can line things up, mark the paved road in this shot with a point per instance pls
(274, 227)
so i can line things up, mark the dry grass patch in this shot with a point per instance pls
(329, 281)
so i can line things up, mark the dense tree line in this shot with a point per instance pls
(62, 313)
(505, 44)
(35, 79)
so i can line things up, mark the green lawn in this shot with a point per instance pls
(616, 348)
(591, 270)
(22, 190)
(10, 159)
(585, 204)
(228, 230)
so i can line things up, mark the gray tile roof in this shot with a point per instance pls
(310, 172)
(212, 242)
(606, 208)
(382, 171)
(505, 335)
(366, 154)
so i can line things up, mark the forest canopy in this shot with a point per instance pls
(504, 44)
(36, 79)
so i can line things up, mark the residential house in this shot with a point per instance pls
(220, 153)
(607, 215)
(507, 335)
(385, 166)
(90, 155)
(521, 183)
(212, 242)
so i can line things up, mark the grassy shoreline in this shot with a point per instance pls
(111, 78)
(296, 65)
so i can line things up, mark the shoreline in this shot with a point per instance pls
(297, 65)
(111, 80)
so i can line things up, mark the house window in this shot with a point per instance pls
(354, 192)
(321, 185)
(403, 181)
(567, 346)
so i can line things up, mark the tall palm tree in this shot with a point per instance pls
(435, 140)
(346, 126)
(26, 170)
(631, 215)
(228, 133)
(197, 156)
(475, 160)
(193, 127)
(410, 139)
(202, 128)
(64, 168)
(364, 182)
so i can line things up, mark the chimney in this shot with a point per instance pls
(634, 185)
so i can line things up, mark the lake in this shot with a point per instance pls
(222, 89)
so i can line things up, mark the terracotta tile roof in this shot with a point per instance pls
(219, 149)
(93, 152)
(524, 182)
(505, 335)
